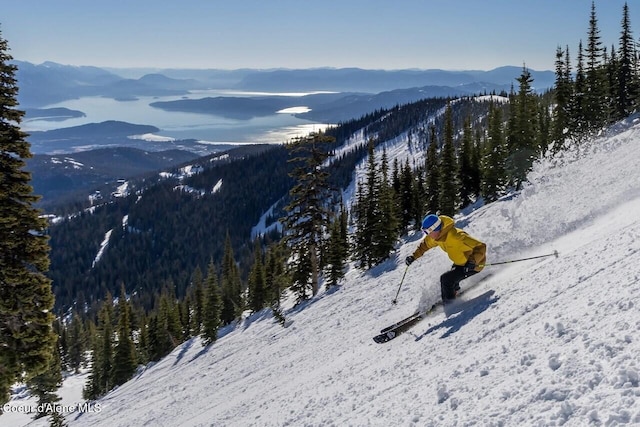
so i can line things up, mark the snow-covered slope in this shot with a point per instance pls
(544, 342)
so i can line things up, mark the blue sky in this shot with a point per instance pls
(374, 34)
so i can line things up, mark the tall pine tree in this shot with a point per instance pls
(337, 248)
(493, 164)
(125, 358)
(523, 130)
(276, 278)
(232, 303)
(563, 93)
(386, 227)
(256, 283)
(44, 386)
(432, 169)
(595, 96)
(198, 301)
(449, 186)
(368, 214)
(77, 344)
(213, 307)
(469, 167)
(307, 214)
(99, 381)
(627, 85)
(406, 196)
(578, 121)
(27, 338)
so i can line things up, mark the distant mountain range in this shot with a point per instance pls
(49, 82)
(374, 81)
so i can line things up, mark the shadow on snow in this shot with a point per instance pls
(459, 314)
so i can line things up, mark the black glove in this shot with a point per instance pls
(470, 266)
(408, 260)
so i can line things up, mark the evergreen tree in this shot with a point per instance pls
(63, 342)
(105, 365)
(232, 304)
(157, 339)
(595, 96)
(627, 88)
(256, 283)
(419, 191)
(169, 326)
(142, 344)
(386, 226)
(432, 167)
(543, 126)
(469, 167)
(449, 183)
(186, 318)
(344, 230)
(77, 344)
(611, 65)
(396, 185)
(476, 162)
(369, 214)
(493, 165)
(523, 130)
(563, 94)
(44, 387)
(27, 338)
(361, 239)
(307, 214)
(407, 199)
(276, 279)
(124, 359)
(93, 389)
(99, 381)
(213, 307)
(338, 248)
(198, 297)
(579, 123)
(301, 270)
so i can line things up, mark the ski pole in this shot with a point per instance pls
(555, 253)
(395, 300)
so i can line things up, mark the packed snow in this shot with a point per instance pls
(74, 164)
(122, 190)
(217, 187)
(551, 341)
(152, 137)
(103, 247)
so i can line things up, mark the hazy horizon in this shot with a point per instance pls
(415, 34)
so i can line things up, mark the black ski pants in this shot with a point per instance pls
(450, 281)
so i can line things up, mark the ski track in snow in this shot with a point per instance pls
(552, 341)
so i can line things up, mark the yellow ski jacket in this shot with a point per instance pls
(460, 247)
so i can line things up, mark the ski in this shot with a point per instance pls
(401, 322)
(390, 332)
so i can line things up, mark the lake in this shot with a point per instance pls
(276, 128)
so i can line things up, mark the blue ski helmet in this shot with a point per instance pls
(431, 223)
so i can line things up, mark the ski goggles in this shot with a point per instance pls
(433, 227)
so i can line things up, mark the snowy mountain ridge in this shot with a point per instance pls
(541, 343)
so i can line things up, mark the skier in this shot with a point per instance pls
(467, 253)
